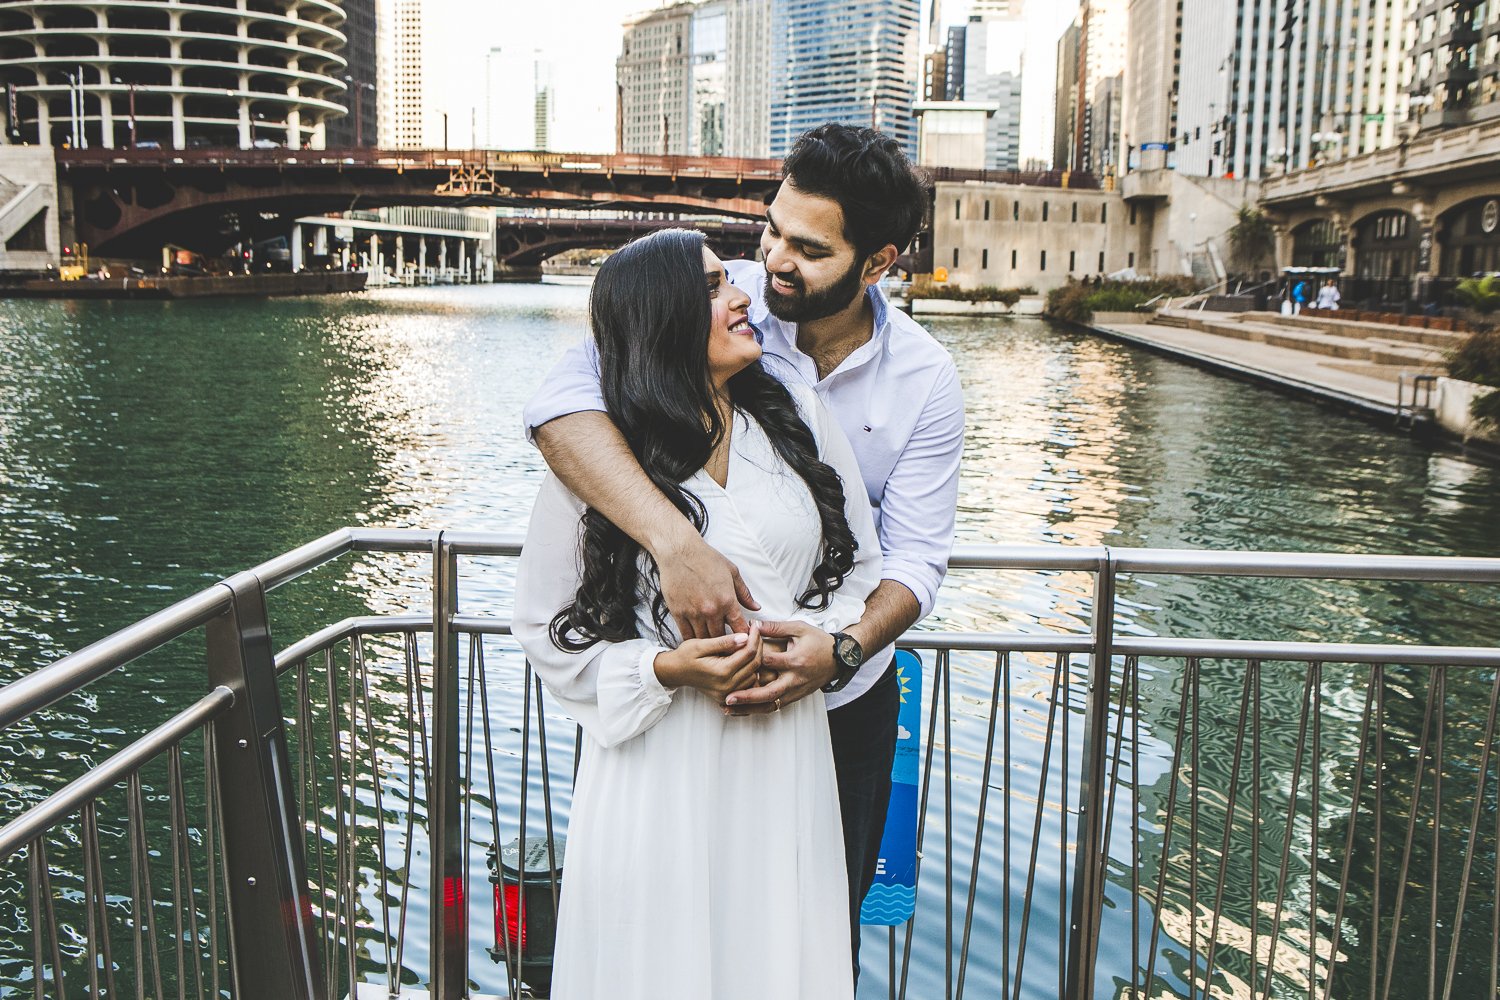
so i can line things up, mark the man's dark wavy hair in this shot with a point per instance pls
(650, 315)
(883, 197)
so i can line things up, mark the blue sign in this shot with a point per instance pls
(1154, 145)
(893, 897)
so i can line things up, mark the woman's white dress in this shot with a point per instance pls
(705, 853)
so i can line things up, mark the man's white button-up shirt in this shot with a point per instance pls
(898, 399)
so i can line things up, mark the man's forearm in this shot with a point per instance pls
(890, 610)
(589, 454)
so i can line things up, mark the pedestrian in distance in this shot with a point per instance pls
(850, 203)
(1299, 295)
(1328, 295)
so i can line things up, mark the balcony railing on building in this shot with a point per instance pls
(1102, 815)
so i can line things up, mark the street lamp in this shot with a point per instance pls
(356, 89)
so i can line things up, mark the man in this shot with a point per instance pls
(849, 205)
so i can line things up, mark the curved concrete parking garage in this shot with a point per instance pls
(117, 73)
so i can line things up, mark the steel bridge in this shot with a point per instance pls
(130, 202)
(314, 825)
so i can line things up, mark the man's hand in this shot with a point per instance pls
(716, 666)
(804, 666)
(703, 590)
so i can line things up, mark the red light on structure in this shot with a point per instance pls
(67, 251)
(508, 914)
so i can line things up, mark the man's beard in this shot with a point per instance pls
(803, 306)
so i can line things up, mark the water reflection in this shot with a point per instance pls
(149, 449)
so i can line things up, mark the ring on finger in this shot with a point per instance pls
(778, 704)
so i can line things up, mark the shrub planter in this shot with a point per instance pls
(1450, 404)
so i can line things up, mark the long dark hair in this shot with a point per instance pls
(650, 315)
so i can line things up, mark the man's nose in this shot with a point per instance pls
(777, 259)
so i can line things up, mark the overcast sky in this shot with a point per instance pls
(582, 39)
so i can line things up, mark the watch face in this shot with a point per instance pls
(848, 651)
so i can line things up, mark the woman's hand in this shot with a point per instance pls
(717, 667)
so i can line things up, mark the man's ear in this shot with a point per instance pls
(879, 262)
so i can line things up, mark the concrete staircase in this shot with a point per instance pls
(1378, 350)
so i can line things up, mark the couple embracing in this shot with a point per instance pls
(754, 477)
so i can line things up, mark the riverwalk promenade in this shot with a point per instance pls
(1371, 368)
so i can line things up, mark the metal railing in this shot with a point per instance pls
(1093, 831)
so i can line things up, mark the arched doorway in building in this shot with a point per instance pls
(1317, 243)
(1470, 238)
(1387, 245)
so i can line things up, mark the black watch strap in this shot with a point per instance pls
(848, 655)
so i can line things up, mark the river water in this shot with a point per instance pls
(149, 449)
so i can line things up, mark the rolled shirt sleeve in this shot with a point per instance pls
(572, 386)
(610, 688)
(917, 509)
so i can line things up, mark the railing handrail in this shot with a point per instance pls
(43, 687)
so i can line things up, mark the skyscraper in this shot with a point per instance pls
(654, 82)
(400, 71)
(1065, 111)
(1456, 61)
(360, 126)
(1101, 61)
(1153, 62)
(1271, 85)
(994, 47)
(854, 61)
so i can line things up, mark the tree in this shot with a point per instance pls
(1252, 240)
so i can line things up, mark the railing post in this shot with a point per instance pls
(450, 927)
(270, 910)
(1089, 865)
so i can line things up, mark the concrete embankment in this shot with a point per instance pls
(204, 287)
(1394, 374)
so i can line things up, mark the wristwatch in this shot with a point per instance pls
(848, 654)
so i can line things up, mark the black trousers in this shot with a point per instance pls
(864, 745)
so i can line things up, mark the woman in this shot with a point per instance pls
(705, 853)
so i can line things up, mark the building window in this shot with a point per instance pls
(1132, 215)
(956, 206)
(1101, 261)
(1044, 260)
(1045, 206)
(1130, 260)
(1015, 210)
(986, 210)
(1013, 260)
(1072, 260)
(1075, 211)
(1103, 214)
(955, 256)
(984, 260)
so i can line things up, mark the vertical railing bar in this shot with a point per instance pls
(187, 853)
(1065, 743)
(1194, 681)
(512, 987)
(1437, 829)
(137, 918)
(1005, 848)
(1114, 770)
(523, 822)
(1463, 882)
(38, 961)
(313, 799)
(392, 978)
(450, 919)
(174, 792)
(467, 757)
(305, 776)
(59, 978)
(335, 708)
(101, 899)
(1379, 789)
(940, 665)
(1315, 786)
(1291, 818)
(1133, 664)
(890, 981)
(1359, 784)
(948, 832)
(541, 736)
(1411, 833)
(412, 662)
(1255, 831)
(1059, 665)
(90, 867)
(1234, 784)
(350, 874)
(149, 897)
(1166, 836)
(210, 850)
(1090, 863)
(979, 824)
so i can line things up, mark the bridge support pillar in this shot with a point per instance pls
(421, 256)
(400, 255)
(296, 247)
(106, 122)
(320, 241)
